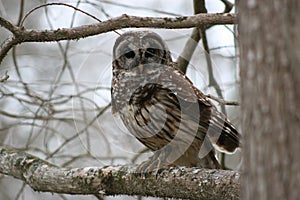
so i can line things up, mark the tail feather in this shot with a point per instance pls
(222, 133)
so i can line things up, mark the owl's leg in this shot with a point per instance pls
(176, 154)
(155, 163)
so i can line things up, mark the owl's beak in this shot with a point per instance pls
(141, 68)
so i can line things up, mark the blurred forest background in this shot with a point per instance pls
(56, 102)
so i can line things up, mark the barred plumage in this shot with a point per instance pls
(161, 107)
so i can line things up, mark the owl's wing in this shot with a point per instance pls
(113, 103)
(221, 132)
(181, 86)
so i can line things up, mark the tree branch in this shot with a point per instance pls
(8, 25)
(191, 44)
(222, 101)
(125, 21)
(186, 183)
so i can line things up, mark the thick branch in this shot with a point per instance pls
(23, 35)
(186, 183)
(125, 21)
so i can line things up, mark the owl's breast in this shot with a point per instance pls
(129, 83)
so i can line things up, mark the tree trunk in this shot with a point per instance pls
(270, 98)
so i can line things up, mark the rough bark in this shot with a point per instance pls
(270, 93)
(186, 183)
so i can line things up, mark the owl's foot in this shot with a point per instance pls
(154, 164)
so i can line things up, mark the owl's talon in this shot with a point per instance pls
(154, 164)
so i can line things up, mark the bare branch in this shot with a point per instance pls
(191, 44)
(187, 52)
(4, 77)
(228, 5)
(222, 101)
(125, 21)
(194, 183)
(8, 25)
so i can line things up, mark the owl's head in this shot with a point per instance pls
(133, 49)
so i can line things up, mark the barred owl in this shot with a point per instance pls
(162, 108)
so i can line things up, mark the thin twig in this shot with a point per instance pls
(5, 77)
(228, 6)
(79, 133)
(222, 101)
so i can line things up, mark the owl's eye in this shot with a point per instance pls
(150, 52)
(129, 54)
